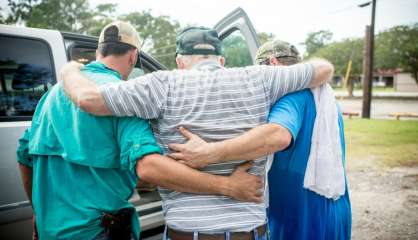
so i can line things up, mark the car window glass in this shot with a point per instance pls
(26, 73)
(83, 54)
(235, 50)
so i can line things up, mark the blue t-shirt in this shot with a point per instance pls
(296, 212)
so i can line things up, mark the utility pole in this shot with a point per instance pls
(368, 63)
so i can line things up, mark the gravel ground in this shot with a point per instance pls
(384, 201)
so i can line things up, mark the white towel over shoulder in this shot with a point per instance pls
(325, 172)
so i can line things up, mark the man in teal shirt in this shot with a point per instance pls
(85, 166)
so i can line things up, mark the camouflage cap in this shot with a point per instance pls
(198, 41)
(278, 49)
(120, 32)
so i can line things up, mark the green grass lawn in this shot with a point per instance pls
(390, 143)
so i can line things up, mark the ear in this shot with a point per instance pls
(222, 61)
(98, 55)
(273, 61)
(180, 64)
(133, 58)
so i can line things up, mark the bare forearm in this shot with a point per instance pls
(324, 71)
(258, 142)
(167, 173)
(26, 175)
(84, 93)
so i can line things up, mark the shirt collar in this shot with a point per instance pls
(101, 67)
(207, 65)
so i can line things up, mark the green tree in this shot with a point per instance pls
(64, 15)
(397, 47)
(265, 37)
(339, 53)
(316, 40)
(102, 15)
(159, 35)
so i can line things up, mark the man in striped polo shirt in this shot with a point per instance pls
(214, 102)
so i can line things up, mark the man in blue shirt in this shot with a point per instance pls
(294, 211)
(78, 168)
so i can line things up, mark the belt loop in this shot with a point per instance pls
(227, 235)
(255, 232)
(195, 235)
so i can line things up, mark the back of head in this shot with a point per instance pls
(117, 38)
(194, 44)
(284, 52)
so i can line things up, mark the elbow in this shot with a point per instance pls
(324, 70)
(145, 168)
(280, 138)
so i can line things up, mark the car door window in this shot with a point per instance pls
(86, 53)
(239, 39)
(235, 50)
(83, 54)
(26, 73)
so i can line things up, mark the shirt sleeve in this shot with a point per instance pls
(288, 112)
(281, 80)
(22, 151)
(136, 140)
(144, 97)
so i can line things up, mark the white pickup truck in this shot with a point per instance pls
(29, 62)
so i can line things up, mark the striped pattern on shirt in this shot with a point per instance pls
(215, 103)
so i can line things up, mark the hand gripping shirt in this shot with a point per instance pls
(215, 103)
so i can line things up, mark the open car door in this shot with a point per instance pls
(239, 39)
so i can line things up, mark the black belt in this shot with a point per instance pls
(179, 235)
(118, 226)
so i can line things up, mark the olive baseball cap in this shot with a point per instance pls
(198, 41)
(278, 49)
(120, 32)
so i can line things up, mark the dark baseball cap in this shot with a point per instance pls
(198, 41)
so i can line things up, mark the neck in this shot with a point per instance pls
(114, 64)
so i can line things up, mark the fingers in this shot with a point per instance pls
(176, 156)
(245, 167)
(71, 66)
(77, 64)
(186, 133)
(176, 147)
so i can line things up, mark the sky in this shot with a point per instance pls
(289, 20)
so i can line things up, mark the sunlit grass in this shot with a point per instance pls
(389, 143)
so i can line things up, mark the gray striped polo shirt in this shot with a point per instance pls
(215, 103)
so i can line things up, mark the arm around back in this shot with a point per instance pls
(323, 70)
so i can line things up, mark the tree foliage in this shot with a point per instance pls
(235, 51)
(65, 15)
(265, 37)
(159, 34)
(317, 40)
(396, 47)
(339, 53)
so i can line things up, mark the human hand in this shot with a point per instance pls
(68, 68)
(195, 153)
(244, 186)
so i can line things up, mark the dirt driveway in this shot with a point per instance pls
(384, 201)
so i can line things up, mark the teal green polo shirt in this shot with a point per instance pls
(82, 165)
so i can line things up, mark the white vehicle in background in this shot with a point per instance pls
(29, 62)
